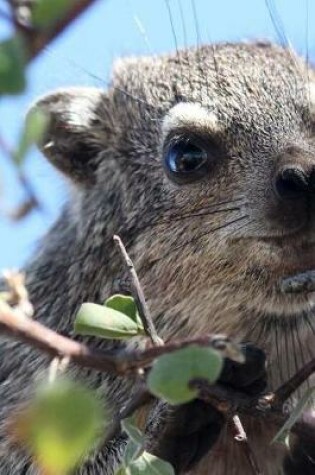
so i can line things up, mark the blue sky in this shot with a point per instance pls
(83, 56)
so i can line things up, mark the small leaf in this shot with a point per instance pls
(283, 435)
(148, 464)
(134, 433)
(171, 373)
(12, 65)
(132, 451)
(34, 129)
(60, 425)
(47, 12)
(125, 304)
(97, 320)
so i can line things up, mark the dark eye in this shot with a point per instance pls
(186, 162)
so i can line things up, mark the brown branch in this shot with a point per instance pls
(120, 362)
(289, 387)
(16, 325)
(227, 400)
(138, 295)
(123, 362)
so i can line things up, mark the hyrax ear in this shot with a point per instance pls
(73, 138)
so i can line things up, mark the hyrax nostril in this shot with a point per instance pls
(291, 182)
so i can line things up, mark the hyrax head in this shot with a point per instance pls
(205, 162)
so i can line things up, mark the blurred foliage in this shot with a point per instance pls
(12, 65)
(34, 128)
(59, 426)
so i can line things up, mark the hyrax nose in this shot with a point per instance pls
(292, 182)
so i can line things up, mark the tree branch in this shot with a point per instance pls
(120, 362)
(289, 387)
(36, 40)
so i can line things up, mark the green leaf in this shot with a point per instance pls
(35, 125)
(47, 12)
(125, 304)
(62, 423)
(171, 373)
(132, 451)
(97, 320)
(148, 464)
(283, 435)
(134, 433)
(12, 65)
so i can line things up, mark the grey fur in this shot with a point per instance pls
(199, 274)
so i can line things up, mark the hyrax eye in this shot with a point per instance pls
(186, 162)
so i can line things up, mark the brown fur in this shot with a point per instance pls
(209, 255)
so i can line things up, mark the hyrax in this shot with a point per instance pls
(204, 163)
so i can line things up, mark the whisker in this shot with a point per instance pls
(308, 66)
(192, 215)
(170, 17)
(279, 365)
(198, 42)
(42, 270)
(140, 26)
(310, 323)
(182, 17)
(277, 23)
(172, 25)
(191, 241)
(140, 100)
(283, 38)
(307, 32)
(293, 345)
(207, 211)
(301, 347)
(164, 209)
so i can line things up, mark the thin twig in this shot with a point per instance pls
(138, 295)
(241, 436)
(289, 387)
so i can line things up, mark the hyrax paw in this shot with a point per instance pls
(188, 432)
(249, 377)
